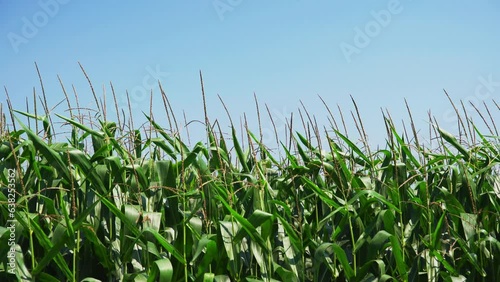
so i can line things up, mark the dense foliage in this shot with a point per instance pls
(114, 203)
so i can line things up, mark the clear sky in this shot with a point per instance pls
(380, 52)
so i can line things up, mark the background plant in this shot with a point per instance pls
(108, 200)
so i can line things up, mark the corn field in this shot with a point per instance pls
(111, 201)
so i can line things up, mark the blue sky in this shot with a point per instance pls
(380, 52)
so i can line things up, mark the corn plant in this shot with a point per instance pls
(110, 202)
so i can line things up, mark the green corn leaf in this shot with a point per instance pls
(161, 270)
(245, 224)
(469, 253)
(165, 244)
(52, 251)
(52, 156)
(342, 257)
(354, 148)
(399, 257)
(256, 219)
(327, 199)
(239, 152)
(135, 231)
(160, 143)
(82, 127)
(453, 141)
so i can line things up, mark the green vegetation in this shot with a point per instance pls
(113, 202)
